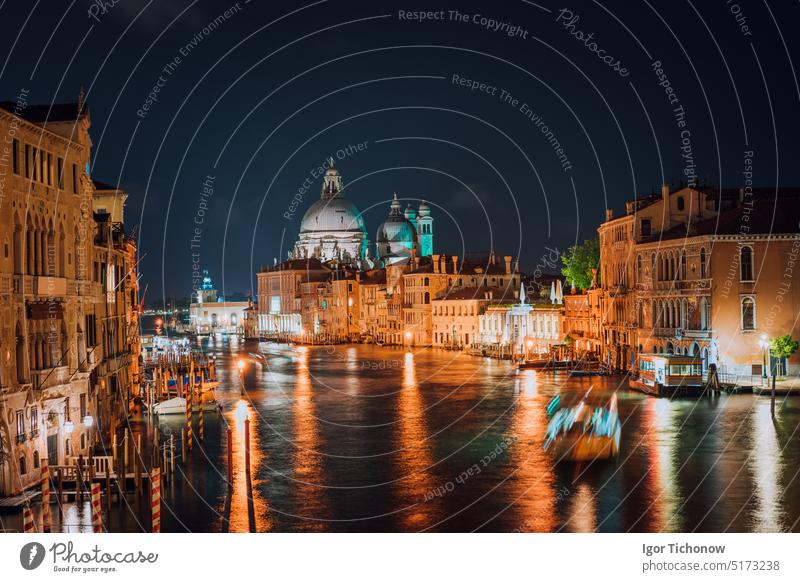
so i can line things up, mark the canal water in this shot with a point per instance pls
(364, 438)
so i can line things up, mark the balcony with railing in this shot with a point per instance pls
(49, 377)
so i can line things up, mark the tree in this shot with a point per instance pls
(579, 260)
(783, 347)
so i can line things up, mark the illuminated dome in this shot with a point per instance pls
(333, 214)
(397, 236)
(332, 228)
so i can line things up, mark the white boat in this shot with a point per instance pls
(178, 406)
(172, 406)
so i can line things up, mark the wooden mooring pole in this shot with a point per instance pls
(772, 404)
(137, 463)
(230, 459)
(247, 446)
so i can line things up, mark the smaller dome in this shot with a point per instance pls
(410, 213)
(397, 235)
(332, 171)
(396, 231)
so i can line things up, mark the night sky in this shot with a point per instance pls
(261, 96)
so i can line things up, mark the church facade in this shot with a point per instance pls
(333, 229)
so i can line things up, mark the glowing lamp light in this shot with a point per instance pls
(529, 343)
(68, 427)
(240, 365)
(409, 335)
(88, 420)
(241, 412)
(349, 301)
(158, 322)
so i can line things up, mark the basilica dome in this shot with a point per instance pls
(333, 215)
(332, 228)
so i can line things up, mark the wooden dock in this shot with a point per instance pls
(17, 501)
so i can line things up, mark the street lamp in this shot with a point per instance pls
(763, 344)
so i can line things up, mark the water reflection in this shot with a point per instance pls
(583, 509)
(534, 484)
(341, 447)
(414, 483)
(660, 431)
(306, 459)
(767, 464)
(248, 509)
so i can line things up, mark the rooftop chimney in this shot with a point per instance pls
(508, 264)
(435, 263)
(455, 264)
(665, 199)
(609, 214)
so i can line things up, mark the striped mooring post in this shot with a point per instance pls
(46, 521)
(155, 499)
(27, 521)
(97, 518)
(200, 414)
(189, 420)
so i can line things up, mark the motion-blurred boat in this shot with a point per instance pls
(583, 432)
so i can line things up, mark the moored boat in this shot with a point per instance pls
(177, 405)
(668, 375)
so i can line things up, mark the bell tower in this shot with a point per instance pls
(425, 230)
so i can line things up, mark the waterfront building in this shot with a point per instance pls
(281, 300)
(116, 378)
(515, 327)
(372, 312)
(211, 313)
(456, 315)
(68, 294)
(582, 321)
(339, 307)
(701, 273)
(437, 275)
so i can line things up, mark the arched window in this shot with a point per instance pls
(18, 242)
(670, 349)
(748, 313)
(703, 313)
(427, 298)
(683, 264)
(684, 314)
(681, 204)
(35, 459)
(61, 262)
(703, 263)
(426, 282)
(639, 269)
(20, 355)
(746, 263)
